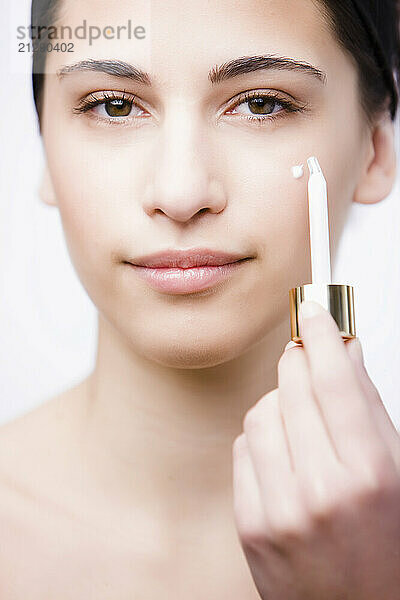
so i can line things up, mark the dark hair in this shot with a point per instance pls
(44, 13)
(368, 30)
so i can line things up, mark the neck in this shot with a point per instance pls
(160, 432)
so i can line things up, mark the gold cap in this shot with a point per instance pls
(338, 299)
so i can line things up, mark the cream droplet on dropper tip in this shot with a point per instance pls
(298, 171)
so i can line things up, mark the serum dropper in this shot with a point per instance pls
(338, 299)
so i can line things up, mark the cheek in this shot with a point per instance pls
(272, 205)
(340, 153)
(95, 183)
(93, 191)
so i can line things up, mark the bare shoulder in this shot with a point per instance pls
(34, 446)
(38, 435)
(35, 459)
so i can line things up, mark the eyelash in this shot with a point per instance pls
(90, 102)
(290, 107)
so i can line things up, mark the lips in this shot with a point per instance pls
(185, 259)
(187, 271)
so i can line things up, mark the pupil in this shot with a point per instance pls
(258, 104)
(118, 108)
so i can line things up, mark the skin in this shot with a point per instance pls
(141, 463)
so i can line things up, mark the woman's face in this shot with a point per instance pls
(193, 163)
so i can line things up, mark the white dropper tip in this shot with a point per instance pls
(313, 165)
(319, 225)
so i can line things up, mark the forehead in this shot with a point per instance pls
(190, 37)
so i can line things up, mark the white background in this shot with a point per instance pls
(48, 323)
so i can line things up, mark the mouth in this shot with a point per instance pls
(184, 259)
(185, 272)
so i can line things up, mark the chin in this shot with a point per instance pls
(192, 354)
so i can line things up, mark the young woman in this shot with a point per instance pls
(200, 459)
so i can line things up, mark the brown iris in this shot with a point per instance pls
(257, 105)
(118, 108)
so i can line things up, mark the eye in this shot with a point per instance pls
(261, 107)
(115, 108)
(110, 106)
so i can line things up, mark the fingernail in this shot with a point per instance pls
(309, 308)
(290, 344)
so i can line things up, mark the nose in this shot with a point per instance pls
(180, 182)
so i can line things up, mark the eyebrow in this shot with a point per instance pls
(218, 73)
(117, 68)
(247, 64)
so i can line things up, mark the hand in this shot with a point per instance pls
(316, 477)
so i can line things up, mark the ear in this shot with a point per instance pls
(379, 172)
(46, 190)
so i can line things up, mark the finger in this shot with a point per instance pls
(249, 514)
(338, 390)
(385, 425)
(310, 445)
(270, 454)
